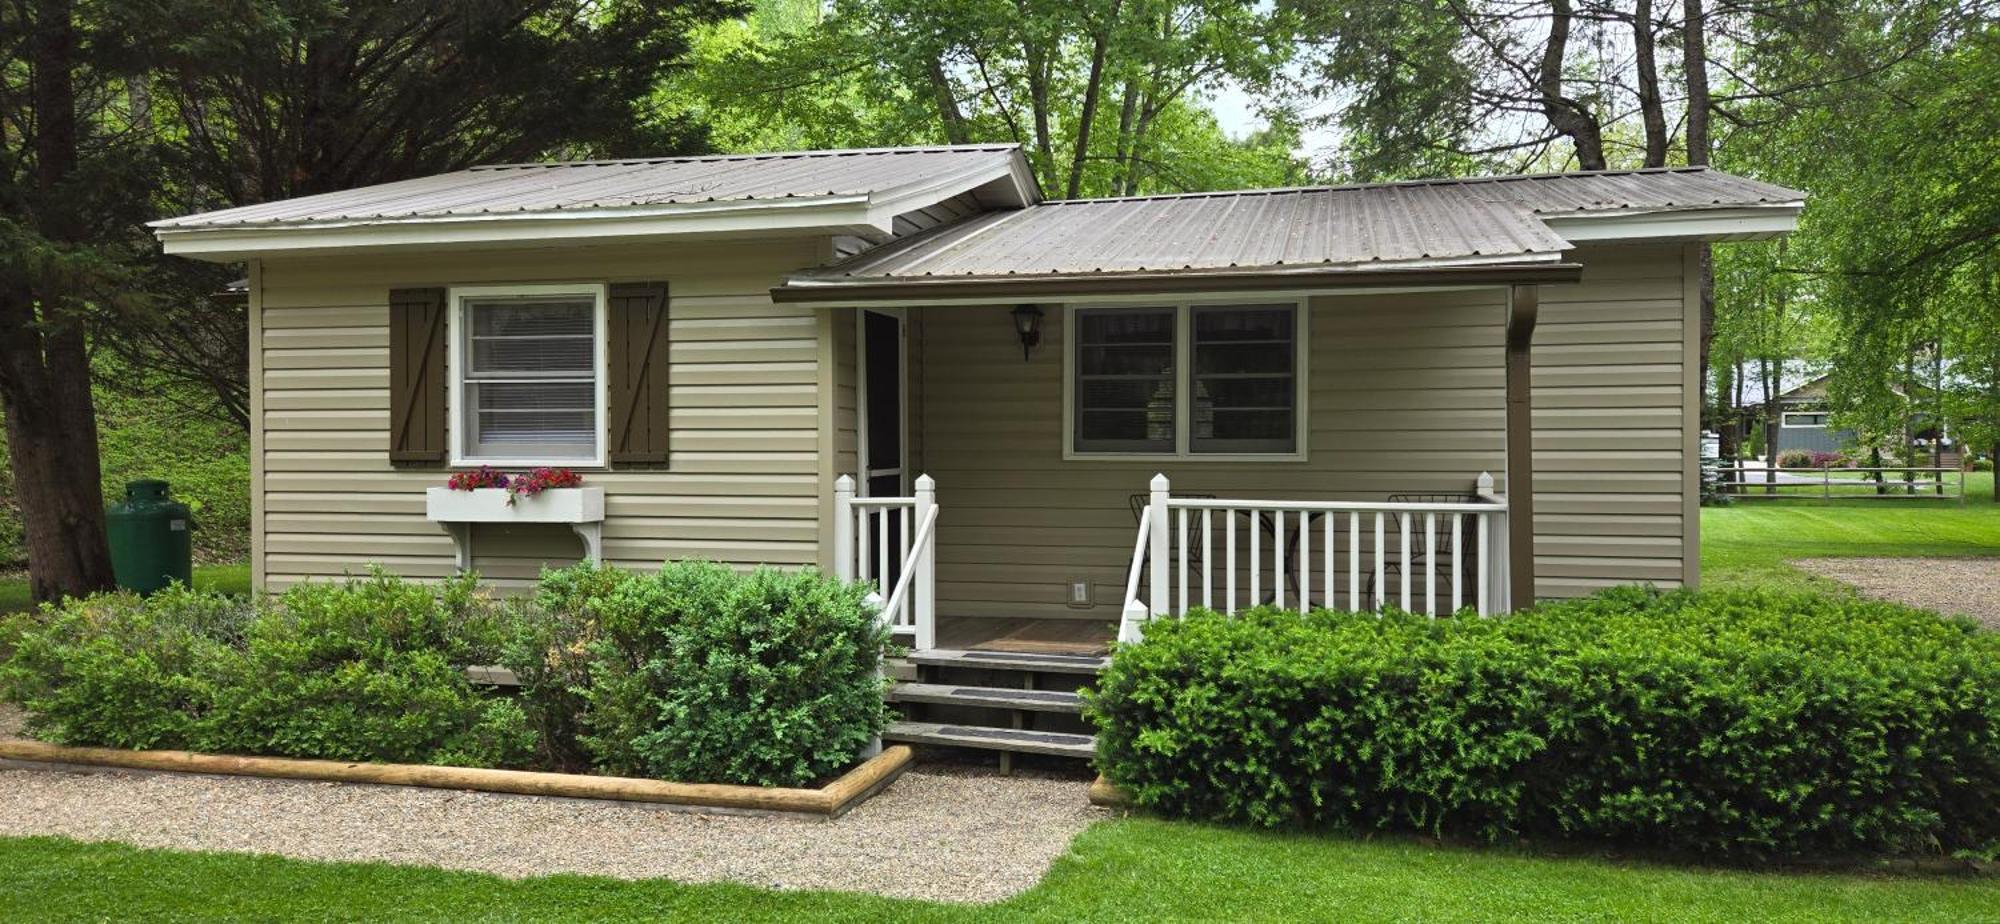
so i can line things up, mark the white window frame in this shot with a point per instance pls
(1785, 420)
(456, 299)
(1184, 381)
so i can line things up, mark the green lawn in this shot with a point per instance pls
(1133, 870)
(232, 579)
(1747, 542)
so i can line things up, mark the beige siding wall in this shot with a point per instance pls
(1406, 395)
(743, 482)
(1614, 424)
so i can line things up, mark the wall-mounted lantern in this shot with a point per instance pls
(1028, 323)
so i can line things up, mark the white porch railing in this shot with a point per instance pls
(874, 541)
(1427, 557)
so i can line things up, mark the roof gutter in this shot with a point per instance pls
(1012, 287)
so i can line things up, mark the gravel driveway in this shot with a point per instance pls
(1959, 586)
(940, 833)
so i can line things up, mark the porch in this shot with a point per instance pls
(1384, 413)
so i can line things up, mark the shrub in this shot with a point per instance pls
(1822, 459)
(118, 670)
(1795, 458)
(370, 669)
(701, 674)
(365, 669)
(1739, 723)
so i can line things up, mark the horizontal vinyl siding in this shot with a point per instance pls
(1406, 394)
(1609, 392)
(741, 485)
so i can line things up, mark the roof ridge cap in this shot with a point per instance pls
(994, 148)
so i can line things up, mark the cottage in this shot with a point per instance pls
(905, 366)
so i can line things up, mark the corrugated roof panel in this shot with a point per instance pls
(1475, 219)
(527, 188)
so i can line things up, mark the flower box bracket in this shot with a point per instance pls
(581, 509)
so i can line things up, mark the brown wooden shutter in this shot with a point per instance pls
(637, 352)
(416, 377)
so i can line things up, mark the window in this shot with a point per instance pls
(1804, 419)
(527, 386)
(1185, 380)
(1125, 380)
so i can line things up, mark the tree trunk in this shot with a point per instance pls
(1087, 113)
(948, 112)
(1121, 181)
(44, 363)
(1651, 113)
(1564, 114)
(1694, 61)
(1769, 423)
(52, 440)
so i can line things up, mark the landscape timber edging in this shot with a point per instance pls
(828, 802)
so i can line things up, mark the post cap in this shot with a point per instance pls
(844, 483)
(926, 483)
(1159, 482)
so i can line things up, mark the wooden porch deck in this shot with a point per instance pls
(1026, 635)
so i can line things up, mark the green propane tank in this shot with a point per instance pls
(149, 538)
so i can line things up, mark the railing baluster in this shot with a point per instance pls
(1207, 564)
(1484, 564)
(1354, 561)
(1256, 556)
(1305, 563)
(1431, 563)
(864, 550)
(1328, 598)
(1278, 557)
(1403, 563)
(1457, 566)
(1229, 540)
(1184, 559)
(903, 615)
(1381, 556)
(882, 539)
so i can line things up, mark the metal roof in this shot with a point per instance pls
(1424, 223)
(574, 187)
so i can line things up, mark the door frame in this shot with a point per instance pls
(863, 425)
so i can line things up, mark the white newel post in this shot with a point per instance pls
(926, 564)
(1494, 550)
(1158, 546)
(843, 527)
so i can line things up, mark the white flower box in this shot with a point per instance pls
(582, 509)
(489, 505)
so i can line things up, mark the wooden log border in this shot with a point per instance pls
(1107, 794)
(830, 801)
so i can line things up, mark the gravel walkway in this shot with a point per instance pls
(1961, 586)
(939, 833)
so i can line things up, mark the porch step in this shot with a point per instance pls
(1020, 741)
(991, 697)
(1089, 665)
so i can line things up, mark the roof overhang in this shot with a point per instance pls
(988, 290)
(1696, 223)
(1000, 182)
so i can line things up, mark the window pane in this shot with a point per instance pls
(1245, 369)
(531, 337)
(1124, 380)
(530, 387)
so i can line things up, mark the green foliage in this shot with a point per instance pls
(369, 669)
(1795, 458)
(153, 434)
(699, 673)
(366, 669)
(118, 670)
(1735, 723)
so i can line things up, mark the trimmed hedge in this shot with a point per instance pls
(1732, 723)
(701, 674)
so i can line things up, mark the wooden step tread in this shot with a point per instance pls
(992, 697)
(1011, 660)
(993, 739)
